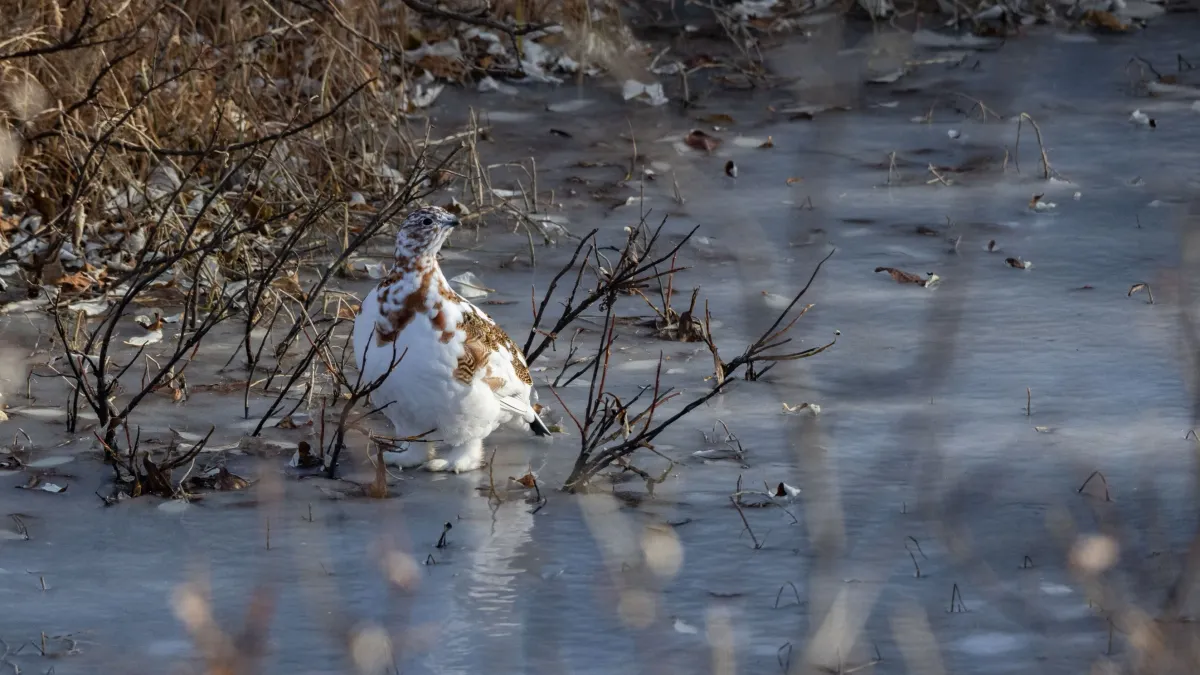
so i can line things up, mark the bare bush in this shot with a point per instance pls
(611, 429)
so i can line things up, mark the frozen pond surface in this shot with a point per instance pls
(922, 444)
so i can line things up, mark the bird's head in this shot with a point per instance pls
(423, 232)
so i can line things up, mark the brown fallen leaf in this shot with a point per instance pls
(769, 143)
(289, 423)
(441, 178)
(222, 480)
(718, 119)
(307, 458)
(794, 179)
(443, 67)
(991, 246)
(289, 283)
(77, 281)
(35, 482)
(1141, 287)
(1018, 263)
(927, 231)
(1101, 20)
(901, 276)
(731, 169)
(701, 141)
(528, 481)
(348, 312)
(228, 481)
(1034, 201)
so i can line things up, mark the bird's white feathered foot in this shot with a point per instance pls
(409, 458)
(459, 459)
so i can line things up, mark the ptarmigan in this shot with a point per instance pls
(455, 371)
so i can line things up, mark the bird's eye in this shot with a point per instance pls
(427, 222)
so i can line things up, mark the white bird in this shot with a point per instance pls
(453, 370)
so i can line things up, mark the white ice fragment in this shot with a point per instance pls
(48, 462)
(649, 93)
(570, 106)
(90, 307)
(490, 84)
(469, 286)
(1141, 119)
(810, 407)
(147, 339)
(775, 300)
(753, 9)
(879, 9)
(888, 77)
(786, 492)
(682, 626)
(389, 174)
(423, 95)
(928, 38)
(40, 413)
(445, 48)
(748, 141)
(174, 506)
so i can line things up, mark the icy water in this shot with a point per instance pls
(924, 453)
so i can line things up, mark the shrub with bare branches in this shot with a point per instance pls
(612, 429)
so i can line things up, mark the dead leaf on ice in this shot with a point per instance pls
(903, 277)
(701, 141)
(36, 483)
(219, 479)
(1018, 263)
(786, 491)
(1141, 287)
(528, 481)
(1103, 21)
(811, 407)
(1037, 204)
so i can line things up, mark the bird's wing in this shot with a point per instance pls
(490, 355)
